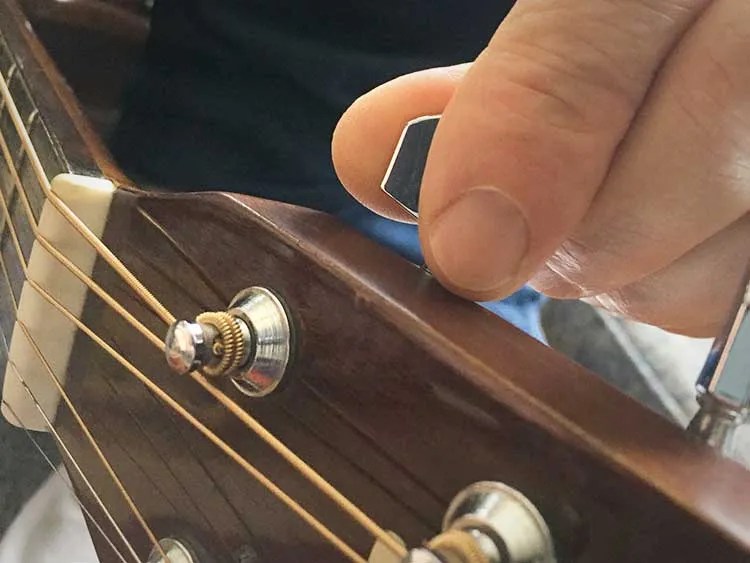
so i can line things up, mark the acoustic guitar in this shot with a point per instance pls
(236, 380)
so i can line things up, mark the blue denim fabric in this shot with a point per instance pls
(522, 309)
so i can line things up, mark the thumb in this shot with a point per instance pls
(528, 135)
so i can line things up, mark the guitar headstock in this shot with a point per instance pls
(402, 414)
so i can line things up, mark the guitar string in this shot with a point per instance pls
(59, 475)
(59, 440)
(208, 433)
(323, 485)
(318, 526)
(328, 535)
(252, 423)
(71, 217)
(58, 384)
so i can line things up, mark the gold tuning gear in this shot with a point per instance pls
(229, 345)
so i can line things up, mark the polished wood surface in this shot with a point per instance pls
(400, 394)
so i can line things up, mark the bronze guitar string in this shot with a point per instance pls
(327, 534)
(63, 446)
(318, 481)
(70, 216)
(55, 380)
(248, 420)
(87, 514)
(208, 433)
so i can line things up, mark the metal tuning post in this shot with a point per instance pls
(251, 342)
(489, 522)
(175, 551)
(724, 383)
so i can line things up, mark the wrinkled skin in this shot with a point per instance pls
(598, 149)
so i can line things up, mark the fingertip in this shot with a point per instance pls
(360, 156)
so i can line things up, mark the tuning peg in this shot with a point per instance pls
(724, 383)
(174, 550)
(251, 342)
(489, 522)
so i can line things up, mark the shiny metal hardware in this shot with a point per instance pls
(724, 383)
(504, 525)
(403, 178)
(251, 342)
(272, 331)
(176, 552)
(188, 346)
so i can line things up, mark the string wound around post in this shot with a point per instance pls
(250, 342)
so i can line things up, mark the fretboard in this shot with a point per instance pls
(32, 167)
(12, 276)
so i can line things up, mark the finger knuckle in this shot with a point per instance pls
(596, 262)
(572, 94)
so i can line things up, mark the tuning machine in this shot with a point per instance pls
(489, 522)
(171, 550)
(250, 342)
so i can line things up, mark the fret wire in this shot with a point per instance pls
(207, 432)
(73, 219)
(68, 453)
(60, 476)
(24, 267)
(345, 504)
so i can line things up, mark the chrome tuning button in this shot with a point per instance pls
(489, 522)
(251, 342)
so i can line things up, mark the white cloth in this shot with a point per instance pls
(50, 528)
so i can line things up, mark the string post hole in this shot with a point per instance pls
(250, 342)
(489, 522)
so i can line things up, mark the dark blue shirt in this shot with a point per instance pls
(243, 95)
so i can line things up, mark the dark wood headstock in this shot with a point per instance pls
(400, 394)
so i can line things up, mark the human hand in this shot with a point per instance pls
(598, 148)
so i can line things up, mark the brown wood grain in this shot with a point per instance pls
(401, 395)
